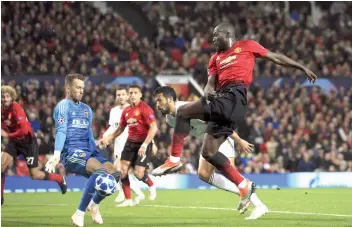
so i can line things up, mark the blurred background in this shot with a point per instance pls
(296, 127)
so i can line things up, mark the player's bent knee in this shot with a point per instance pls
(36, 174)
(139, 174)
(207, 153)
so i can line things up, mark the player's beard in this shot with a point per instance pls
(165, 111)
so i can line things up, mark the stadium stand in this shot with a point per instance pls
(293, 129)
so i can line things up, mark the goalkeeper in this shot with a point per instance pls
(75, 143)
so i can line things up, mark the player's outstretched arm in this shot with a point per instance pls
(110, 137)
(244, 145)
(60, 119)
(283, 60)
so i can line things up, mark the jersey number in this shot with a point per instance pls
(30, 160)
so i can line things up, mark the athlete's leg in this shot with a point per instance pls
(223, 164)
(141, 174)
(6, 161)
(207, 173)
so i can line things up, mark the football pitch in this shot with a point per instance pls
(289, 207)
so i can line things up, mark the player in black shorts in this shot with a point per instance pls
(140, 119)
(225, 102)
(21, 140)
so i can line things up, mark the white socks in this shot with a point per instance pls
(80, 212)
(174, 159)
(255, 200)
(243, 184)
(134, 185)
(220, 181)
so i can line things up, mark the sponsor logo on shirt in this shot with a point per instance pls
(131, 122)
(7, 122)
(80, 123)
(228, 59)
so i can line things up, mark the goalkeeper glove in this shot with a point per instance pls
(53, 161)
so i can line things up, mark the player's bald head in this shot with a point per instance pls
(226, 27)
(223, 36)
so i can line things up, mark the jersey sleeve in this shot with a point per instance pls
(60, 119)
(258, 50)
(148, 114)
(212, 70)
(123, 121)
(21, 119)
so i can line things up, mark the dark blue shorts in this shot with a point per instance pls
(75, 160)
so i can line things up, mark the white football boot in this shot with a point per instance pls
(94, 212)
(127, 203)
(258, 212)
(77, 219)
(152, 192)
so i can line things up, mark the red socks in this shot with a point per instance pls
(177, 144)
(146, 179)
(126, 187)
(55, 177)
(223, 164)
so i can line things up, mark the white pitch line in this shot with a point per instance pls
(231, 209)
(202, 208)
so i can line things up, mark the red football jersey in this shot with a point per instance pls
(137, 119)
(15, 122)
(236, 64)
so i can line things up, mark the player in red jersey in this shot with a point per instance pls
(140, 119)
(225, 103)
(16, 127)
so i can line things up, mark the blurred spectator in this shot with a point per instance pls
(292, 129)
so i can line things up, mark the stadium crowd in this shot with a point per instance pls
(292, 129)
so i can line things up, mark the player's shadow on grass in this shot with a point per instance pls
(315, 219)
(22, 223)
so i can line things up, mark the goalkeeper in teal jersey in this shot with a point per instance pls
(75, 146)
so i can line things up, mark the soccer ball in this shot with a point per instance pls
(105, 184)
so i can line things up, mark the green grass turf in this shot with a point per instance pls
(54, 209)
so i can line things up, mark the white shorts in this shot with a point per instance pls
(227, 148)
(118, 148)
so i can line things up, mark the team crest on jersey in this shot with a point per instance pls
(237, 50)
(82, 155)
(137, 113)
(218, 58)
(86, 113)
(61, 120)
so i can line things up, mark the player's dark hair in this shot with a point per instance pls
(166, 91)
(72, 76)
(135, 86)
(121, 88)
